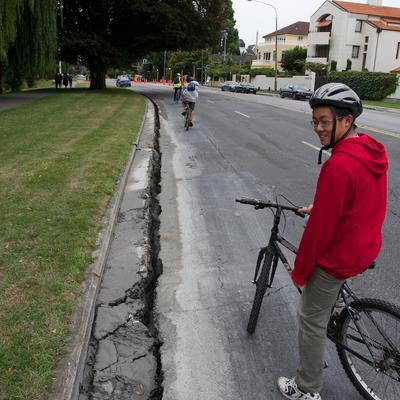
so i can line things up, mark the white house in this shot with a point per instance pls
(367, 34)
(288, 38)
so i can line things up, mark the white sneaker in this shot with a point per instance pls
(289, 389)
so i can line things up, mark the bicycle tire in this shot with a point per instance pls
(261, 288)
(384, 382)
(187, 119)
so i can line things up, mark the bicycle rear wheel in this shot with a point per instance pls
(261, 288)
(187, 118)
(380, 323)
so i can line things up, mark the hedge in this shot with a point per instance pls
(262, 71)
(368, 85)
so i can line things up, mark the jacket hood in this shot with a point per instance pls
(367, 151)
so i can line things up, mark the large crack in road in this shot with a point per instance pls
(123, 360)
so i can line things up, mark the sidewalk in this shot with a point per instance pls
(14, 100)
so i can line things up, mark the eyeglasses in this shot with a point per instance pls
(323, 122)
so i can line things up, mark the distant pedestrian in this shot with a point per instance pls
(70, 80)
(57, 80)
(65, 80)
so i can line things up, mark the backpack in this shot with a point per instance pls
(191, 86)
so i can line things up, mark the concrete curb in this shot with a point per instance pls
(69, 372)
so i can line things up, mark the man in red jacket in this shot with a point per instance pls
(343, 235)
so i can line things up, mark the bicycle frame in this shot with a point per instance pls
(273, 247)
(277, 255)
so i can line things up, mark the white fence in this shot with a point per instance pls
(396, 94)
(268, 82)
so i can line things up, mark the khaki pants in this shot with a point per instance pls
(318, 297)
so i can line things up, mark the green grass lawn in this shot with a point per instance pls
(383, 103)
(60, 158)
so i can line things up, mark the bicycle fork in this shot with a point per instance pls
(262, 255)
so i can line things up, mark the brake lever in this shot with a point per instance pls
(300, 214)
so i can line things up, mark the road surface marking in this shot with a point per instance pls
(315, 147)
(381, 131)
(210, 101)
(244, 115)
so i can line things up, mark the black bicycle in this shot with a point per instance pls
(177, 95)
(366, 331)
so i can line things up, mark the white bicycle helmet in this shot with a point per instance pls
(338, 95)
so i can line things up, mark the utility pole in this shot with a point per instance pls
(276, 40)
(165, 59)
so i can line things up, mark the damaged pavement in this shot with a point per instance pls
(114, 349)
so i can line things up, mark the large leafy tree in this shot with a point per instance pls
(232, 43)
(186, 61)
(294, 60)
(28, 38)
(114, 33)
(228, 32)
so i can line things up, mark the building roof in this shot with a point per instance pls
(379, 11)
(383, 26)
(391, 20)
(298, 28)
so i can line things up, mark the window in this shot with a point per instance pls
(358, 25)
(398, 50)
(356, 50)
(267, 56)
(366, 39)
(365, 47)
(299, 38)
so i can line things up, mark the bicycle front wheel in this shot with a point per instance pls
(261, 288)
(374, 370)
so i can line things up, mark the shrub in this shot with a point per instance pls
(333, 65)
(368, 85)
(262, 71)
(348, 64)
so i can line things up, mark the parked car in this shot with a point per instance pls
(123, 81)
(295, 92)
(246, 88)
(229, 86)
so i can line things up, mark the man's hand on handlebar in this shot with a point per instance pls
(306, 210)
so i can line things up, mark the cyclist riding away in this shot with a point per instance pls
(190, 95)
(343, 235)
(177, 87)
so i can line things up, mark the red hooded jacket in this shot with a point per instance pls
(343, 235)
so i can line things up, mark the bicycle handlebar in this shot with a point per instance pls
(259, 204)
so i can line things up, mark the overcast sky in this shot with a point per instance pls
(252, 17)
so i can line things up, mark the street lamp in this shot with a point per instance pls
(225, 36)
(276, 40)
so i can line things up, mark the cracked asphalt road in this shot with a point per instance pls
(240, 145)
